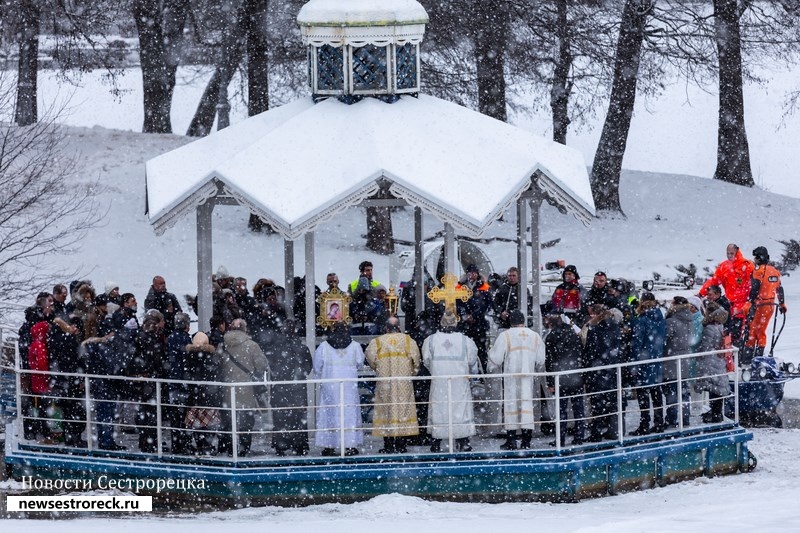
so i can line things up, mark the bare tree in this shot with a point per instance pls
(489, 27)
(380, 236)
(257, 57)
(44, 211)
(613, 140)
(733, 150)
(78, 40)
(160, 26)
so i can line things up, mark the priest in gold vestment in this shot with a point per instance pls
(394, 355)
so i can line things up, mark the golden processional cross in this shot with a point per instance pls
(450, 293)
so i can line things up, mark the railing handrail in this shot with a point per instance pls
(375, 378)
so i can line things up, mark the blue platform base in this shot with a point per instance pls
(568, 475)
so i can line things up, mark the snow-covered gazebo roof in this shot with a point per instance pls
(364, 129)
(297, 165)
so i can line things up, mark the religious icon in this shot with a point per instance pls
(334, 307)
(334, 311)
(449, 293)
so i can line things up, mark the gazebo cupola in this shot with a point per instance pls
(360, 48)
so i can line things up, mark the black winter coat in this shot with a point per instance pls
(563, 351)
(602, 348)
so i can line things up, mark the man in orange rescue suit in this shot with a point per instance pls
(765, 285)
(734, 276)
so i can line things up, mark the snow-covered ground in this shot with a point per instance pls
(671, 220)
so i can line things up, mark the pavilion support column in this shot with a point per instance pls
(311, 332)
(522, 255)
(536, 290)
(288, 276)
(419, 270)
(205, 302)
(450, 254)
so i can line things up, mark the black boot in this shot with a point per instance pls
(715, 415)
(511, 441)
(400, 445)
(436, 446)
(643, 429)
(527, 436)
(746, 356)
(388, 445)
(463, 445)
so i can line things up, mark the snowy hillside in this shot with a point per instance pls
(670, 220)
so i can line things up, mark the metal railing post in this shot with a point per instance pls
(341, 419)
(87, 398)
(620, 413)
(234, 428)
(160, 446)
(737, 373)
(18, 379)
(450, 414)
(558, 411)
(679, 387)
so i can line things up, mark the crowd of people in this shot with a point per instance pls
(251, 340)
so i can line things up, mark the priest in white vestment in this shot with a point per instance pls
(339, 357)
(394, 355)
(519, 351)
(450, 353)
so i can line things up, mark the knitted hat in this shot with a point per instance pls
(110, 286)
(222, 272)
(571, 268)
(472, 267)
(697, 302)
(761, 255)
(200, 339)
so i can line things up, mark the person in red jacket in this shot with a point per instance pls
(734, 275)
(764, 287)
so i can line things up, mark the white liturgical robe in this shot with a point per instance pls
(450, 354)
(519, 350)
(330, 363)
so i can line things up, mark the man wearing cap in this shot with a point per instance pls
(472, 313)
(569, 294)
(649, 334)
(518, 352)
(598, 292)
(176, 367)
(765, 285)
(449, 353)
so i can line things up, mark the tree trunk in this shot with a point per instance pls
(490, 25)
(562, 85)
(611, 148)
(733, 151)
(175, 13)
(257, 58)
(148, 15)
(380, 236)
(26, 112)
(230, 54)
